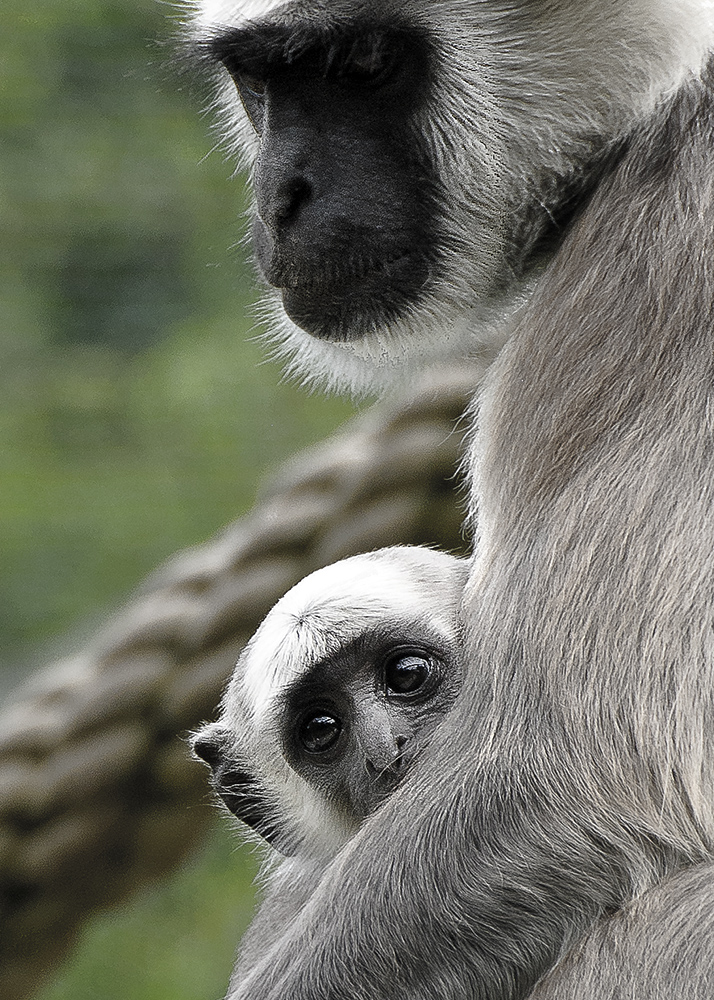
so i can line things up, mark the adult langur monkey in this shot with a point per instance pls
(416, 163)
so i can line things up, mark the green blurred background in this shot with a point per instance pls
(136, 416)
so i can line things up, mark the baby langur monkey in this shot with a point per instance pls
(330, 704)
(335, 696)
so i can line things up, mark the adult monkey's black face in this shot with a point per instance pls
(345, 196)
(364, 224)
(414, 162)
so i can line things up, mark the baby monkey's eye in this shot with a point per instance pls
(319, 732)
(407, 672)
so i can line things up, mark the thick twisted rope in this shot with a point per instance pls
(97, 791)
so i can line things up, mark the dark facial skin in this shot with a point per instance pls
(345, 195)
(353, 725)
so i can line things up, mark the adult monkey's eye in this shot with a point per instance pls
(253, 86)
(407, 672)
(319, 732)
(251, 90)
(366, 73)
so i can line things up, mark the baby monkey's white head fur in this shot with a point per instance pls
(335, 696)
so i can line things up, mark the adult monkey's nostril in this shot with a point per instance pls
(293, 195)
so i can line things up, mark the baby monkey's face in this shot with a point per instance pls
(336, 695)
(353, 724)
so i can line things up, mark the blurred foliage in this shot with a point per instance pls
(177, 942)
(135, 415)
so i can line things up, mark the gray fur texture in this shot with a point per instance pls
(562, 818)
(658, 947)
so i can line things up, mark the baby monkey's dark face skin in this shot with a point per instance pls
(349, 729)
(353, 725)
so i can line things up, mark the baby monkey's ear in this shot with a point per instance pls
(233, 781)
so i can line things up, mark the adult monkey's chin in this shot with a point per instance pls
(349, 309)
(385, 357)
